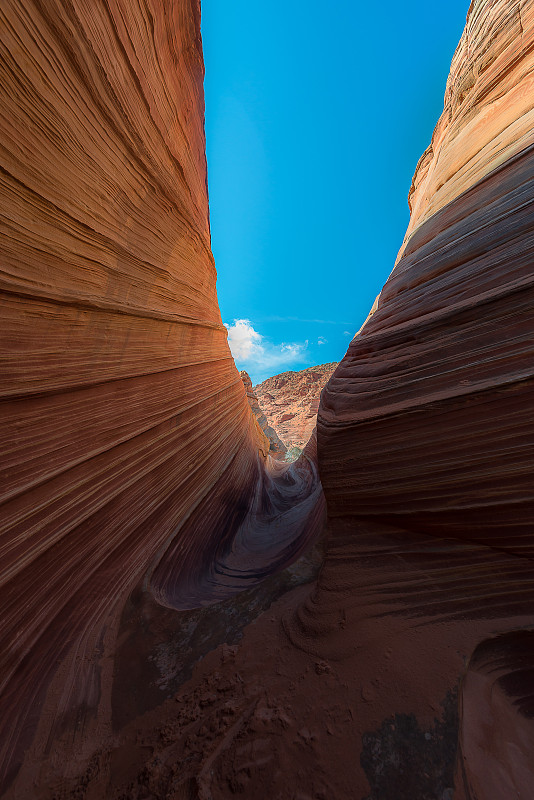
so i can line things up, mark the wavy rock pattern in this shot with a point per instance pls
(424, 431)
(135, 477)
(126, 433)
(425, 436)
(488, 115)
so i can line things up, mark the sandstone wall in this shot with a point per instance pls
(275, 445)
(129, 454)
(425, 435)
(487, 116)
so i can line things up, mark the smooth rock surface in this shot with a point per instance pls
(488, 113)
(425, 435)
(497, 730)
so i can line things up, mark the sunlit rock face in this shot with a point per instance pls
(488, 114)
(275, 446)
(290, 401)
(129, 454)
(425, 435)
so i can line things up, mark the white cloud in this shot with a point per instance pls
(322, 340)
(347, 333)
(244, 341)
(253, 352)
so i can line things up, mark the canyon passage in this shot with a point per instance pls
(184, 615)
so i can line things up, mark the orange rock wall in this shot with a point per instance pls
(124, 420)
(488, 113)
(132, 466)
(425, 435)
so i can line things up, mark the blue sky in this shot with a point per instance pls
(316, 115)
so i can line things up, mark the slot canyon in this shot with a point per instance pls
(184, 615)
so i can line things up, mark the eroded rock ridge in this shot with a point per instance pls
(290, 402)
(277, 448)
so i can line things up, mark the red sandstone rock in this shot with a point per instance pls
(276, 447)
(130, 456)
(290, 402)
(497, 731)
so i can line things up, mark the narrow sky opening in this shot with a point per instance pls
(315, 119)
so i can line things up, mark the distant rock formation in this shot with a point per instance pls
(290, 402)
(277, 448)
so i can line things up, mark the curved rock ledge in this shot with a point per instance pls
(259, 531)
(497, 713)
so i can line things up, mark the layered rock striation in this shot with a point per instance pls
(130, 458)
(425, 438)
(487, 116)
